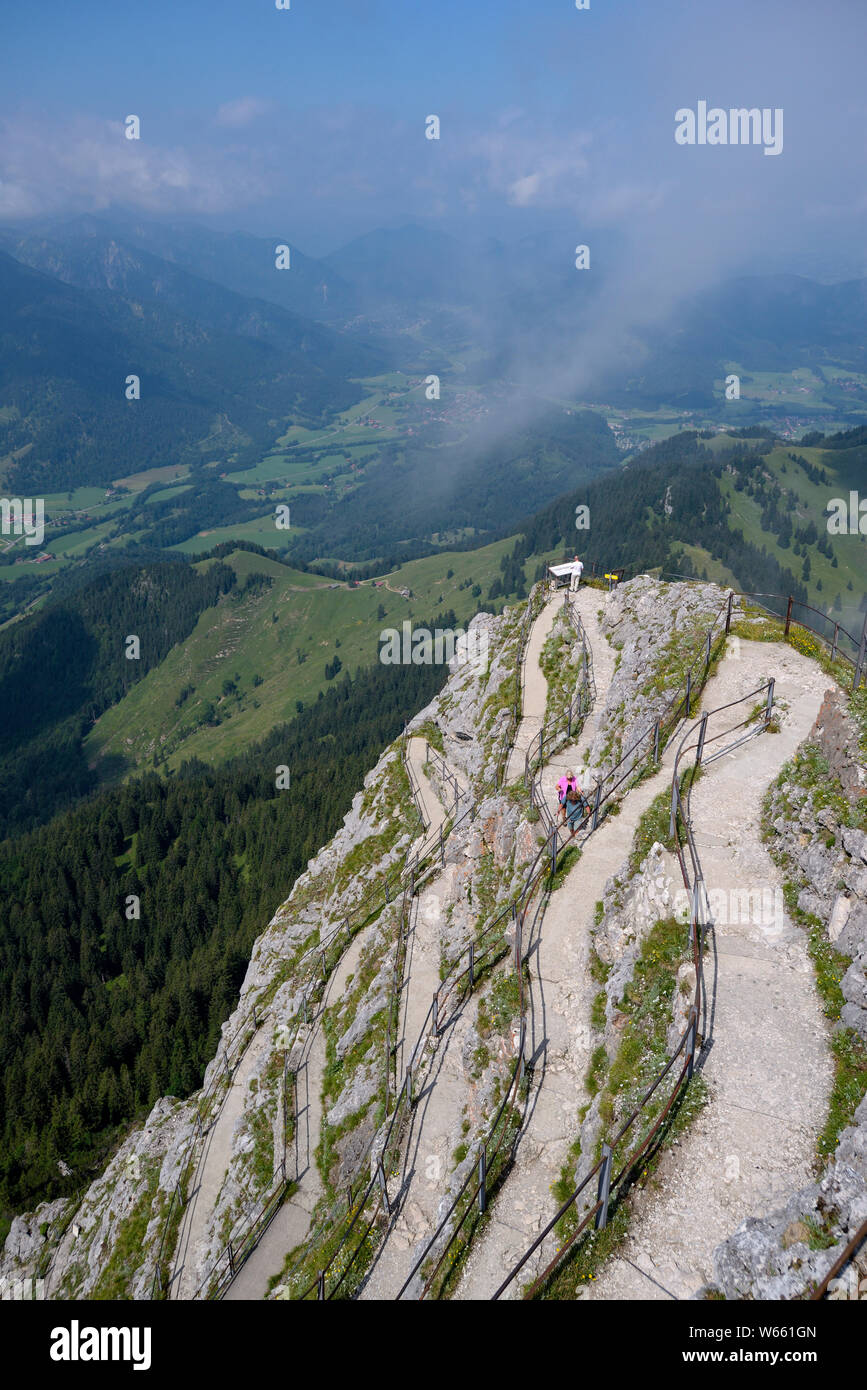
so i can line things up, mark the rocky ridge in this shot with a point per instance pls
(109, 1238)
(816, 814)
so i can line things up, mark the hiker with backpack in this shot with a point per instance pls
(564, 786)
(576, 809)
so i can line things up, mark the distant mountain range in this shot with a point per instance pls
(216, 370)
(229, 350)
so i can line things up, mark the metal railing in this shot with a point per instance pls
(478, 954)
(842, 644)
(647, 749)
(416, 873)
(611, 1184)
(840, 1263)
(654, 741)
(203, 1124)
(560, 726)
(386, 890)
(535, 603)
(421, 862)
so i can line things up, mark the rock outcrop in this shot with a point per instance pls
(816, 814)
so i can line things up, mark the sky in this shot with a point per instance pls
(309, 123)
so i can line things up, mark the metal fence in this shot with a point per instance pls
(605, 791)
(421, 865)
(790, 611)
(845, 1258)
(238, 1247)
(610, 1183)
(535, 602)
(562, 724)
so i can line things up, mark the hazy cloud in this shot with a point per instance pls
(89, 165)
(235, 114)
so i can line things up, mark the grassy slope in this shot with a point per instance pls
(238, 640)
(813, 498)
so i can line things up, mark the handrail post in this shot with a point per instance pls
(231, 1255)
(859, 665)
(701, 734)
(788, 616)
(688, 692)
(320, 1285)
(834, 643)
(707, 653)
(483, 1176)
(656, 742)
(436, 1010)
(770, 705)
(603, 1190)
(555, 835)
(409, 1085)
(596, 806)
(729, 612)
(673, 821)
(383, 1186)
(517, 920)
(690, 1045)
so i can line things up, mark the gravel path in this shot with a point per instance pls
(769, 1070)
(535, 688)
(292, 1222)
(210, 1173)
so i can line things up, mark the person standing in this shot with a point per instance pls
(576, 809)
(565, 784)
(577, 571)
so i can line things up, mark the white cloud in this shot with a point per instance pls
(241, 112)
(89, 165)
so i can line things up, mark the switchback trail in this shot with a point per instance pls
(769, 1070)
(561, 993)
(444, 1089)
(291, 1225)
(534, 688)
(427, 1155)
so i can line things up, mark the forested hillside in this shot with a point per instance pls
(61, 667)
(486, 485)
(216, 372)
(102, 1012)
(680, 505)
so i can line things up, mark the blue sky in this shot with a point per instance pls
(309, 122)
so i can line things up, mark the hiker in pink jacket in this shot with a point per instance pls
(565, 784)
